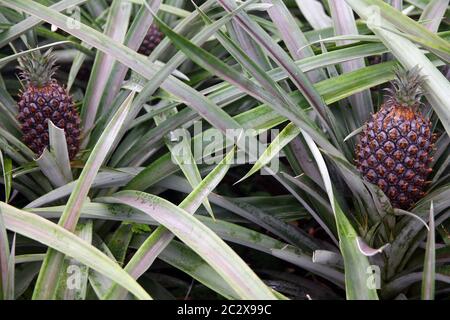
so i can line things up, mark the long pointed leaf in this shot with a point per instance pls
(161, 237)
(51, 268)
(435, 84)
(429, 270)
(356, 264)
(200, 239)
(52, 235)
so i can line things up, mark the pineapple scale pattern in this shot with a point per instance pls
(151, 40)
(394, 153)
(38, 105)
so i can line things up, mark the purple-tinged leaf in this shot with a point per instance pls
(50, 234)
(16, 30)
(116, 28)
(248, 45)
(292, 35)
(7, 168)
(70, 287)
(282, 58)
(344, 24)
(200, 239)
(54, 161)
(315, 13)
(4, 257)
(135, 36)
(433, 14)
(368, 251)
(429, 268)
(161, 237)
(9, 292)
(48, 277)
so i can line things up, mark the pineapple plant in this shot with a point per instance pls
(396, 144)
(313, 227)
(151, 40)
(44, 100)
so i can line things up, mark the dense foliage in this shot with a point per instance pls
(148, 198)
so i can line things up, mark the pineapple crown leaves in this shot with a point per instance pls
(38, 69)
(406, 88)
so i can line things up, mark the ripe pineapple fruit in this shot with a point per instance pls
(395, 146)
(45, 99)
(151, 40)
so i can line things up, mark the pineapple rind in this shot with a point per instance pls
(395, 146)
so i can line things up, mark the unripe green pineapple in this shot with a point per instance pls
(395, 146)
(151, 40)
(45, 99)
